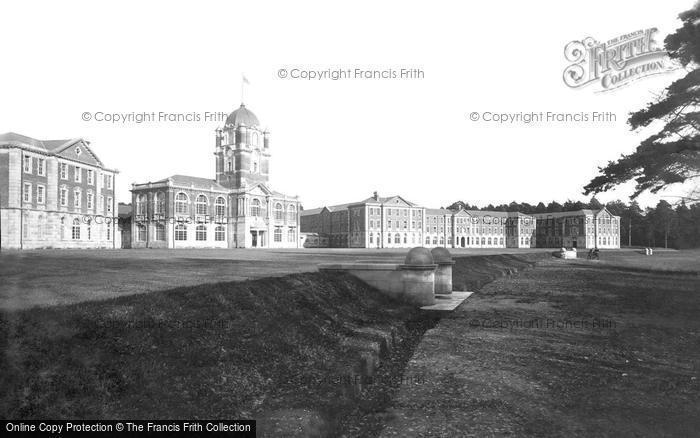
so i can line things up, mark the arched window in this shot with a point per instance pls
(160, 232)
(483, 241)
(220, 206)
(427, 240)
(230, 165)
(397, 238)
(201, 204)
(220, 233)
(255, 207)
(279, 213)
(442, 240)
(140, 205)
(405, 238)
(180, 232)
(500, 241)
(255, 139)
(201, 233)
(141, 232)
(159, 203)
(75, 232)
(181, 202)
(291, 213)
(489, 241)
(435, 240)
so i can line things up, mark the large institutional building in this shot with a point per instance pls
(58, 194)
(54, 194)
(394, 222)
(236, 209)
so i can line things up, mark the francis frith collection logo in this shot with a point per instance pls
(615, 63)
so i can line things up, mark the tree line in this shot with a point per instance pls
(664, 225)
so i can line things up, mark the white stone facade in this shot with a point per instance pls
(393, 222)
(237, 209)
(55, 194)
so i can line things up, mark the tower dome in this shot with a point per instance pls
(242, 116)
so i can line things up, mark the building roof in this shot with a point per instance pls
(385, 199)
(54, 147)
(311, 211)
(438, 211)
(193, 181)
(517, 213)
(242, 116)
(583, 212)
(370, 200)
(487, 213)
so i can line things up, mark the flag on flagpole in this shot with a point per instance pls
(245, 80)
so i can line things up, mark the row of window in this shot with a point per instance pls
(251, 137)
(201, 233)
(202, 206)
(40, 165)
(398, 239)
(63, 197)
(63, 171)
(181, 232)
(291, 235)
(435, 228)
(230, 165)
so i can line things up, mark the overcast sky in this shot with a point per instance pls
(333, 141)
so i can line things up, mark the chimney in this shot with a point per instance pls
(375, 196)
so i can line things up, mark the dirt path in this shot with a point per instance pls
(564, 349)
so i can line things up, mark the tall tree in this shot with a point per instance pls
(664, 221)
(554, 207)
(595, 204)
(673, 154)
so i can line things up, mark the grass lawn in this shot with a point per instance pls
(54, 277)
(571, 348)
(618, 354)
(286, 351)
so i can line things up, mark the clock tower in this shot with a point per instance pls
(242, 151)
